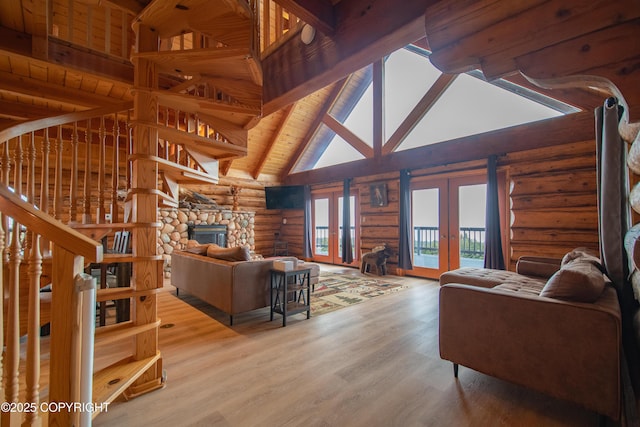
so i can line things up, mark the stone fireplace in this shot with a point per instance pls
(176, 222)
(208, 233)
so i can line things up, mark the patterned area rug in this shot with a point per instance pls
(335, 291)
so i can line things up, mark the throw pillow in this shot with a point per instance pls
(199, 249)
(578, 280)
(239, 253)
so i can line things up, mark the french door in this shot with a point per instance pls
(327, 227)
(448, 221)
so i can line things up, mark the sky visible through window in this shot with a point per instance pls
(469, 106)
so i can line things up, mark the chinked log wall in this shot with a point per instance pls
(552, 193)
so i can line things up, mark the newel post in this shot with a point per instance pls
(64, 373)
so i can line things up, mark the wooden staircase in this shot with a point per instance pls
(173, 135)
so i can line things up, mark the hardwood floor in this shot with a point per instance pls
(371, 364)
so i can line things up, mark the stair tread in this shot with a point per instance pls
(235, 63)
(179, 173)
(206, 146)
(112, 381)
(122, 292)
(112, 333)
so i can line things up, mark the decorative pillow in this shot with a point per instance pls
(239, 253)
(582, 254)
(578, 280)
(199, 249)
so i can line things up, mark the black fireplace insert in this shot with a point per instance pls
(205, 233)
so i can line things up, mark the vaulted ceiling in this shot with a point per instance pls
(60, 56)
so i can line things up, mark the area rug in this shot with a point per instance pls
(334, 290)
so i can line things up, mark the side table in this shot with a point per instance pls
(290, 292)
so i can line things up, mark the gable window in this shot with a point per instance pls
(422, 106)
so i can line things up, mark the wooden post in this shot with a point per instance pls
(64, 371)
(145, 203)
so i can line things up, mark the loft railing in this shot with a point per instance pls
(23, 259)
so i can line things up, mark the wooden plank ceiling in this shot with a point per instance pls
(85, 66)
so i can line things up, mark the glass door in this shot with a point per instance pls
(327, 227)
(430, 225)
(448, 219)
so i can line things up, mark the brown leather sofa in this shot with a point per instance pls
(496, 322)
(231, 286)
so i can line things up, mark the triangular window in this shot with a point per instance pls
(467, 106)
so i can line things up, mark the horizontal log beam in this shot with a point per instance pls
(544, 133)
(365, 32)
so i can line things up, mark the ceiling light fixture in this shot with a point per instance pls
(307, 34)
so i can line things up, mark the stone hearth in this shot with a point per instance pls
(173, 234)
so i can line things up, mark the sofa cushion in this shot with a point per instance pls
(238, 253)
(579, 279)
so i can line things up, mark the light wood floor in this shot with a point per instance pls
(372, 364)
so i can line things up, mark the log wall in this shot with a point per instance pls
(551, 197)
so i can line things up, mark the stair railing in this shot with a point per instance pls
(70, 251)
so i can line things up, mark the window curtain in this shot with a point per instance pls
(307, 235)
(613, 212)
(404, 256)
(347, 247)
(493, 256)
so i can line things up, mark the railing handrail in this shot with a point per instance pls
(45, 225)
(47, 122)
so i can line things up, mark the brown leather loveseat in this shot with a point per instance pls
(563, 341)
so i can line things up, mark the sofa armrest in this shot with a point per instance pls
(567, 350)
(537, 266)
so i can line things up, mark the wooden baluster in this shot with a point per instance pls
(101, 171)
(13, 313)
(107, 29)
(73, 186)
(58, 201)
(86, 214)
(114, 170)
(6, 173)
(266, 24)
(129, 149)
(34, 271)
(279, 22)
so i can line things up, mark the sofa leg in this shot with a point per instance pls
(455, 370)
(177, 291)
(231, 320)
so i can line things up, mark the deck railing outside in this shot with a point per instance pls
(425, 241)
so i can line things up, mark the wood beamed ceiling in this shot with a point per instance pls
(44, 76)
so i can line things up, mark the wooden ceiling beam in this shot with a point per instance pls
(419, 111)
(17, 111)
(39, 89)
(288, 111)
(317, 13)
(351, 138)
(365, 32)
(555, 131)
(492, 39)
